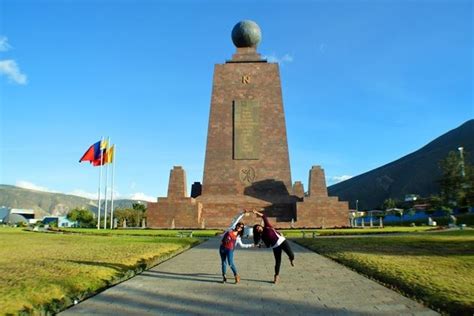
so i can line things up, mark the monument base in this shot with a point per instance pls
(322, 212)
(217, 211)
(315, 210)
(172, 213)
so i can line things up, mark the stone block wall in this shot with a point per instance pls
(322, 212)
(318, 209)
(298, 190)
(177, 183)
(168, 213)
(177, 210)
(317, 182)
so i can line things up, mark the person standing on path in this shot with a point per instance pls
(272, 239)
(226, 250)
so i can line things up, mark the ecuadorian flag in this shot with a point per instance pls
(94, 153)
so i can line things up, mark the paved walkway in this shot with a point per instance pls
(189, 284)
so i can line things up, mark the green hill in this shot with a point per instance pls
(416, 173)
(46, 203)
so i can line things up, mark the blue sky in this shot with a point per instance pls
(364, 83)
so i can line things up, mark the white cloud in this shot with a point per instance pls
(4, 46)
(10, 69)
(337, 179)
(322, 48)
(273, 58)
(140, 196)
(31, 186)
(93, 195)
(84, 194)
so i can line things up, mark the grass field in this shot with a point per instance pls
(144, 232)
(297, 233)
(47, 271)
(436, 268)
(291, 233)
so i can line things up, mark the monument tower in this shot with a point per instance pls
(247, 161)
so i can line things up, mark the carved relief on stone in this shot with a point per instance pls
(247, 175)
(246, 125)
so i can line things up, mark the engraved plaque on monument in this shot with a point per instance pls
(246, 130)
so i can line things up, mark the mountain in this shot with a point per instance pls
(416, 173)
(47, 203)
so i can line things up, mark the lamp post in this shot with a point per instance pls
(357, 211)
(461, 155)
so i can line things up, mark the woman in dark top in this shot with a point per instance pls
(272, 239)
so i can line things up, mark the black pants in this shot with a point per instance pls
(285, 246)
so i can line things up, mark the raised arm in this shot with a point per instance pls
(265, 219)
(237, 219)
(242, 245)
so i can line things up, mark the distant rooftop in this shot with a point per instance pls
(22, 211)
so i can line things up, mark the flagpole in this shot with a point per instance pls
(112, 191)
(100, 181)
(106, 183)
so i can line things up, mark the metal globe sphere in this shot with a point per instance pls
(246, 34)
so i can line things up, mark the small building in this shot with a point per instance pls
(376, 213)
(14, 219)
(26, 215)
(395, 211)
(411, 197)
(61, 221)
(4, 211)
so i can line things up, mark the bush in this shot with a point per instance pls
(84, 217)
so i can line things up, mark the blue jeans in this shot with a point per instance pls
(227, 254)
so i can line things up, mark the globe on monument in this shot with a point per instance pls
(246, 34)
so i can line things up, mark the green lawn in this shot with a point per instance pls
(293, 233)
(46, 271)
(436, 268)
(297, 233)
(144, 232)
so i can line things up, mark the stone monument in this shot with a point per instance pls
(247, 160)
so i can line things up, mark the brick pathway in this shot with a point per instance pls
(189, 284)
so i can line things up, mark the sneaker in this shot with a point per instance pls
(237, 279)
(276, 279)
(292, 263)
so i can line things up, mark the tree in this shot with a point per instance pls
(139, 207)
(437, 204)
(133, 216)
(411, 211)
(457, 180)
(140, 210)
(84, 217)
(389, 203)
